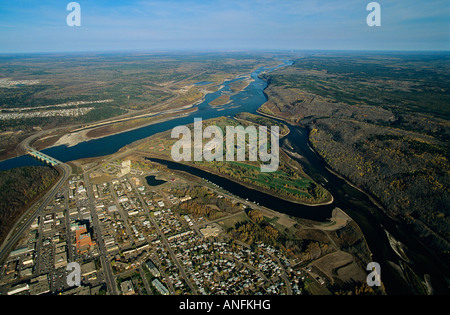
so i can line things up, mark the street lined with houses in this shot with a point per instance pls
(130, 237)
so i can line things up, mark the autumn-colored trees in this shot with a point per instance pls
(206, 204)
(19, 187)
(382, 124)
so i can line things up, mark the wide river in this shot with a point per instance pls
(372, 221)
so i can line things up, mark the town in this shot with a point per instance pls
(131, 229)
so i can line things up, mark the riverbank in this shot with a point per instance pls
(242, 183)
(413, 250)
(92, 133)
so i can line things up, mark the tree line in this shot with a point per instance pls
(19, 187)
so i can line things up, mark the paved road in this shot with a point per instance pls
(20, 227)
(39, 206)
(109, 277)
(165, 241)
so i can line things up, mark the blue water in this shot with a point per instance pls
(203, 83)
(368, 217)
(248, 100)
(152, 181)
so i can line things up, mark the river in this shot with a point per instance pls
(372, 221)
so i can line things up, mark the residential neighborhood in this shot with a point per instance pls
(131, 237)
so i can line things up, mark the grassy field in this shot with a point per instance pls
(278, 180)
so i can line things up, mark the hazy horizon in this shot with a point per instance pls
(179, 52)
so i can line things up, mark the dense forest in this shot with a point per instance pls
(381, 121)
(408, 174)
(19, 187)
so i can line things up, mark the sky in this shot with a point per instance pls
(28, 26)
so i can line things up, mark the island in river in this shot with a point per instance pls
(289, 181)
(302, 188)
(221, 100)
(322, 257)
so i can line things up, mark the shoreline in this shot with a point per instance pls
(81, 136)
(247, 185)
(331, 170)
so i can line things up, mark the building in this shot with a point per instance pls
(112, 208)
(35, 223)
(81, 290)
(22, 250)
(126, 168)
(133, 212)
(11, 267)
(39, 285)
(185, 198)
(26, 272)
(18, 289)
(151, 266)
(160, 287)
(60, 260)
(83, 239)
(89, 270)
(127, 287)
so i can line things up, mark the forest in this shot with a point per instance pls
(382, 122)
(19, 187)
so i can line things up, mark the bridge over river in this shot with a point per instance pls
(42, 157)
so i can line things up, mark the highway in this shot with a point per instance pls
(39, 206)
(20, 227)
